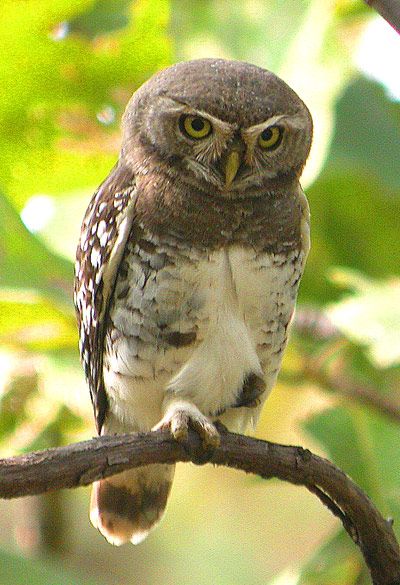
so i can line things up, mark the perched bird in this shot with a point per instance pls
(188, 266)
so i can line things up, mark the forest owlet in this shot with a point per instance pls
(188, 267)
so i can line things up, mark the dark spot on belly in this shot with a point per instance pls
(147, 246)
(264, 346)
(123, 270)
(177, 339)
(253, 387)
(123, 293)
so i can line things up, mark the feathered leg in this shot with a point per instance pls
(126, 506)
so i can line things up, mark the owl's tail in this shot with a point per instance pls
(125, 507)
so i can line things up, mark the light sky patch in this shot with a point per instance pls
(378, 55)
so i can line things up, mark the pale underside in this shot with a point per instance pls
(232, 307)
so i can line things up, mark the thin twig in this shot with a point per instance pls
(341, 382)
(315, 323)
(328, 369)
(82, 463)
(389, 10)
(364, 394)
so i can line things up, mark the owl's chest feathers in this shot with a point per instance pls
(203, 298)
(198, 322)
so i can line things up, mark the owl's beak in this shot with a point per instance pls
(231, 167)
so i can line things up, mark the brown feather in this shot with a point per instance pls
(91, 304)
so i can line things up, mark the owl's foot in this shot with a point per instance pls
(253, 387)
(182, 415)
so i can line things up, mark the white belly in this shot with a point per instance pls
(240, 305)
(243, 326)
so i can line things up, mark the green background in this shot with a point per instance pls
(68, 69)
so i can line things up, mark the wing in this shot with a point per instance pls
(105, 230)
(304, 223)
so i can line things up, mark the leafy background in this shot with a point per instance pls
(68, 69)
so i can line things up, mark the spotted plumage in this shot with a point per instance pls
(98, 255)
(188, 267)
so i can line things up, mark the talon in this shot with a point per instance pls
(179, 427)
(209, 434)
(180, 415)
(180, 435)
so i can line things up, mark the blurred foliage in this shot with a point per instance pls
(370, 316)
(355, 200)
(338, 562)
(68, 69)
(16, 570)
(73, 67)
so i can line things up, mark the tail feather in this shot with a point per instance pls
(125, 507)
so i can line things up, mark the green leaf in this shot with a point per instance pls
(30, 322)
(355, 202)
(354, 223)
(336, 429)
(205, 23)
(36, 309)
(349, 9)
(51, 140)
(13, 402)
(375, 144)
(365, 445)
(370, 316)
(55, 433)
(26, 263)
(101, 18)
(338, 562)
(17, 570)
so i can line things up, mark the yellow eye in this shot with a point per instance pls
(195, 127)
(270, 138)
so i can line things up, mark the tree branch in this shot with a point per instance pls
(389, 10)
(340, 381)
(82, 463)
(334, 375)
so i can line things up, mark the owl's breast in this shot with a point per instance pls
(198, 323)
(245, 303)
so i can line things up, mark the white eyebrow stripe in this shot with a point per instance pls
(295, 121)
(260, 127)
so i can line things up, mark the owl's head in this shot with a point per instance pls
(222, 125)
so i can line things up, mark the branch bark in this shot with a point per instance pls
(82, 463)
(389, 10)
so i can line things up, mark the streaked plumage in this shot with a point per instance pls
(188, 266)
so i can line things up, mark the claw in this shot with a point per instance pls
(181, 415)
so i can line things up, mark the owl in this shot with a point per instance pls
(188, 266)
